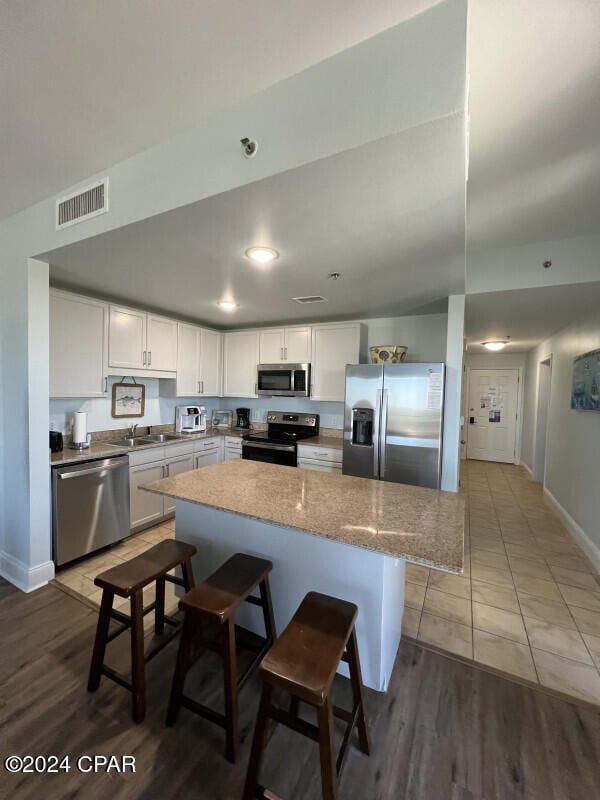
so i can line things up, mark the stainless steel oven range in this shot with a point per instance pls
(277, 445)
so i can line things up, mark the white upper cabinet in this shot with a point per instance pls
(240, 359)
(198, 362)
(161, 343)
(188, 360)
(278, 345)
(211, 361)
(334, 346)
(141, 341)
(127, 338)
(271, 345)
(297, 346)
(78, 345)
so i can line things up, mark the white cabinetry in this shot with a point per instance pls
(278, 345)
(145, 508)
(334, 346)
(233, 448)
(198, 362)
(240, 359)
(152, 464)
(78, 345)
(322, 459)
(141, 341)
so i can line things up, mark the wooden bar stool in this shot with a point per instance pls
(128, 580)
(303, 662)
(209, 625)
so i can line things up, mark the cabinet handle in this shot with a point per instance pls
(149, 357)
(285, 348)
(281, 348)
(256, 388)
(144, 358)
(105, 384)
(201, 387)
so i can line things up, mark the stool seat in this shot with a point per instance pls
(227, 588)
(128, 578)
(306, 656)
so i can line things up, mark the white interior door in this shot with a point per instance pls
(492, 414)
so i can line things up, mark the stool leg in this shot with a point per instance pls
(181, 668)
(327, 752)
(187, 573)
(357, 692)
(258, 743)
(231, 692)
(100, 640)
(159, 608)
(267, 607)
(138, 687)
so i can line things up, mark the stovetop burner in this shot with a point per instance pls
(287, 428)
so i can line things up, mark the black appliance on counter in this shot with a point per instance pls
(56, 442)
(243, 418)
(278, 444)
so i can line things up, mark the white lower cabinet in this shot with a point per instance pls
(147, 466)
(233, 448)
(175, 466)
(322, 459)
(145, 508)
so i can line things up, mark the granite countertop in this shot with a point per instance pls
(424, 526)
(104, 449)
(322, 441)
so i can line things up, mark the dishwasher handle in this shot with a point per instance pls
(78, 472)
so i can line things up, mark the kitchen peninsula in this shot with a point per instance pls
(345, 536)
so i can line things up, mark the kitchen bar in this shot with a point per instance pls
(344, 536)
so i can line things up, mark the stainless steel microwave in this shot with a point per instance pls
(283, 380)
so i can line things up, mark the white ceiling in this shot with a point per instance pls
(84, 85)
(534, 172)
(527, 316)
(389, 216)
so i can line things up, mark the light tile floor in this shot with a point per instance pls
(80, 577)
(529, 600)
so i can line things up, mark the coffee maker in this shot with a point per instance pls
(243, 418)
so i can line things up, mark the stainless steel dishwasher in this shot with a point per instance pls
(90, 506)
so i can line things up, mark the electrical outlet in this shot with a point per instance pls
(52, 425)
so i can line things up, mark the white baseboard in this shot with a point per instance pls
(591, 550)
(528, 468)
(25, 578)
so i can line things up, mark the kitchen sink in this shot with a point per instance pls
(161, 437)
(133, 441)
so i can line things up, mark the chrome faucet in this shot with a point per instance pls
(131, 430)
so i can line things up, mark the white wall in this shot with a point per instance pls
(425, 337)
(573, 437)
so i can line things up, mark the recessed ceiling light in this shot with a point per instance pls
(227, 305)
(494, 345)
(262, 255)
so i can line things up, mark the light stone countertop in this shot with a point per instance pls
(424, 526)
(103, 449)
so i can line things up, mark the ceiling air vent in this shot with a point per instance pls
(315, 298)
(82, 204)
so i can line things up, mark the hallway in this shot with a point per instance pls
(528, 603)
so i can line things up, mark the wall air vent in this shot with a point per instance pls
(82, 204)
(315, 298)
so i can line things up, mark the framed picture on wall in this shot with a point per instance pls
(128, 400)
(585, 395)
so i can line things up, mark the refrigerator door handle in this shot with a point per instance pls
(376, 436)
(383, 433)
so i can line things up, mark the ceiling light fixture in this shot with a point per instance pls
(262, 255)
(494, 345)
(227, 305)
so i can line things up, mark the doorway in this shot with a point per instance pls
(541, 421)
(492, 414)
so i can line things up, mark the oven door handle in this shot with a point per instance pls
(286, 448)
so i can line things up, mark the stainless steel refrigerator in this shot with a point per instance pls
(393, 422)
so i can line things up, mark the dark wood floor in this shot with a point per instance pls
(444, 730)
